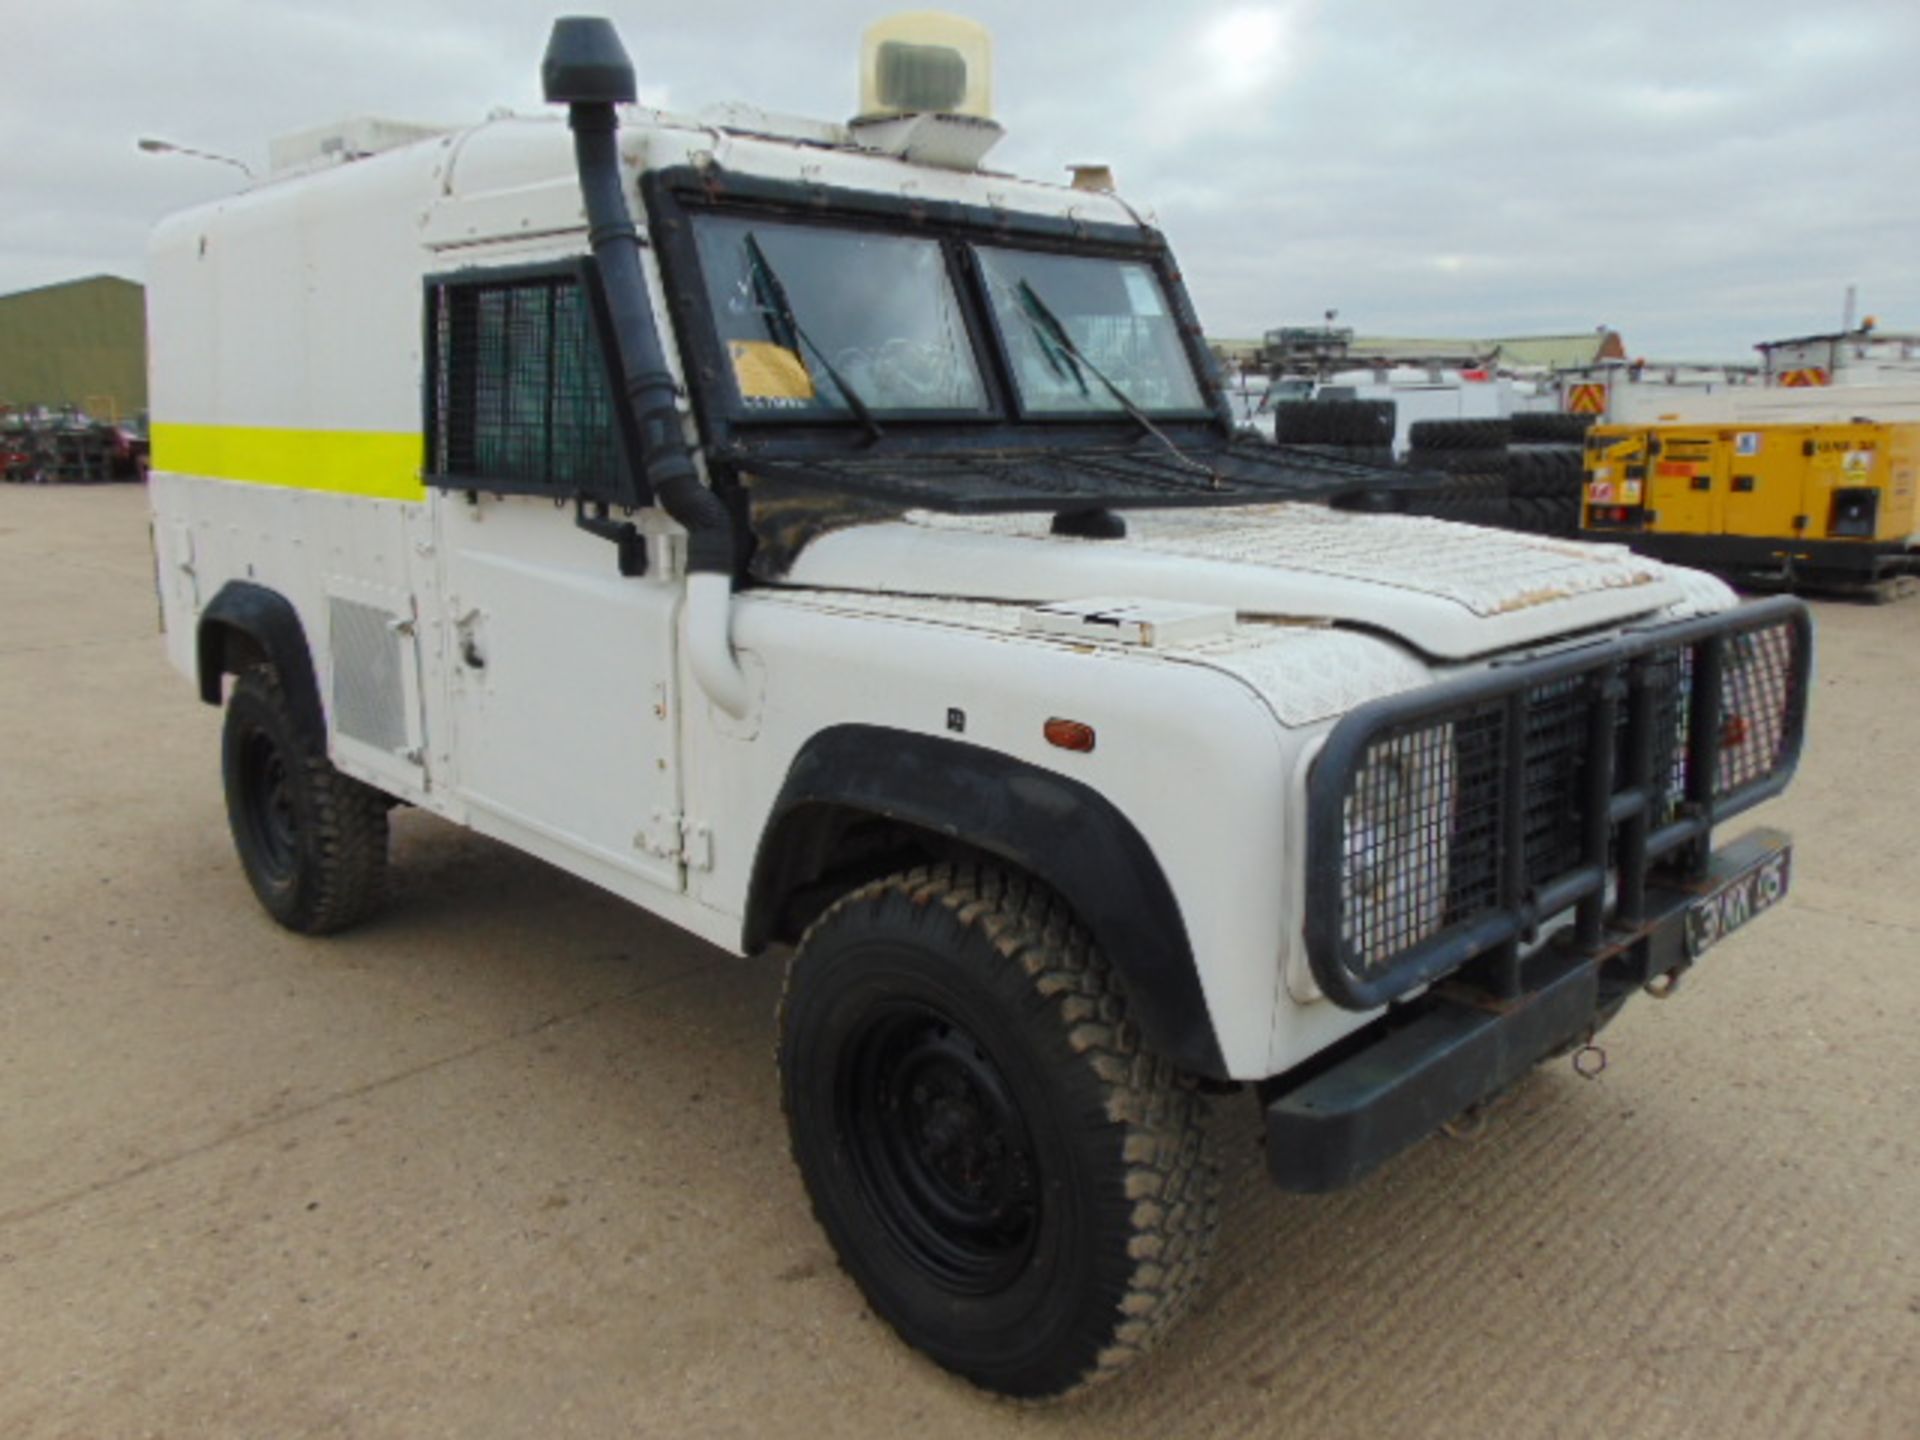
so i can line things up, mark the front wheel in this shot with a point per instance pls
(1018, 1187)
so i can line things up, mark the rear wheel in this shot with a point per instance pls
(1019, 1188)
(313, 842)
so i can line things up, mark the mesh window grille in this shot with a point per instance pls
(520, 397)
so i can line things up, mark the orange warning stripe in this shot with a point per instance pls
(1586, 399)
(1805, 378)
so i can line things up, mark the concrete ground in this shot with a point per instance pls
(508, 1161)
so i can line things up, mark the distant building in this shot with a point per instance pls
(81, 343)
(1498, 352)
(1321, 350)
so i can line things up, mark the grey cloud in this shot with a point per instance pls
(1699, 176)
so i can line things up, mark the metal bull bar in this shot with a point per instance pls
(1626, 817)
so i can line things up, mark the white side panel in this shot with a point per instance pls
(563, 703)
(296, 305)
(313, 549)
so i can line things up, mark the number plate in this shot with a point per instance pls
(1758, 888)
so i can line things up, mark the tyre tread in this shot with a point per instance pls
(1171, 1183)
(349, 831)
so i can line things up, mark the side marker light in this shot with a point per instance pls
(1068, 734)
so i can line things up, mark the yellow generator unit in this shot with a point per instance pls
(1819, 502)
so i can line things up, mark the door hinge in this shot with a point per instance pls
(670, 836)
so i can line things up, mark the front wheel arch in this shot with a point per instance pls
(948, 800)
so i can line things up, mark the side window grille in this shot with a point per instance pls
(517, 395)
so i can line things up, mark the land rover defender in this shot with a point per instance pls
(836, 548)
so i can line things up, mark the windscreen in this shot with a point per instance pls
(1079, 328)
(809, 313)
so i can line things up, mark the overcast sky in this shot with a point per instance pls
(1698, 175)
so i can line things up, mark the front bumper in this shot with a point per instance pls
(1402, 1078)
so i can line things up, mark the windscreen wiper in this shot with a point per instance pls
(1040, 315)
(774, 302)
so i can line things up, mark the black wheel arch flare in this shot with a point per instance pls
(1055, 828)
(268, 623)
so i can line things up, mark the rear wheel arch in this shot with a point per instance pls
(247, 625)
(860, 799)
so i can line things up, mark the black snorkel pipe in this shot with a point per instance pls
(586, 69)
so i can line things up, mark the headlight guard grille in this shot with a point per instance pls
(1451, 822)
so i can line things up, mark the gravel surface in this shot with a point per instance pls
(508, 1160)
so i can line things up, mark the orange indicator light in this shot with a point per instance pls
(1068, 734)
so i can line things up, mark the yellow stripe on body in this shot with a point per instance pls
(374, 464)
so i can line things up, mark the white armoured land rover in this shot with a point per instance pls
(857, 556)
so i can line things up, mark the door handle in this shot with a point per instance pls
(466, 630)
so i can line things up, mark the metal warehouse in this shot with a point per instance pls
(80, 343)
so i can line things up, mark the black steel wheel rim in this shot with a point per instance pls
(939, 1148)
(267, 804)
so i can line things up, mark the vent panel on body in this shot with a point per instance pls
(369, 691)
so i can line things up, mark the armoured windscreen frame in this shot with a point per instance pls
(672, 196)
(521, 386)
(1455, 822)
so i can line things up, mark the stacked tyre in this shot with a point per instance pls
(1550, 427)
(1543, 489)
(1469, 462)
(1357, 430)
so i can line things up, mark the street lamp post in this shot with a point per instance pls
(167, 147)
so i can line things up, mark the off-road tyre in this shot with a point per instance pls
(1563, 516)
(1459, 462)
(1365, 423)
(312, 842)
(1550, 425)
(1486, 434)
(1467, 500)
(1019, 1187)
(1545, 471)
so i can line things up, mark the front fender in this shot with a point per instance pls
(1056, 829)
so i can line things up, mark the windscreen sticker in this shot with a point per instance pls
(1747, 443)
(1141, 290)
(766, 371)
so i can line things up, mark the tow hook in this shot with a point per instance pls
(1661, 987)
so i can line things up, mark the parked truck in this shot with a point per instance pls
(839, 551)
